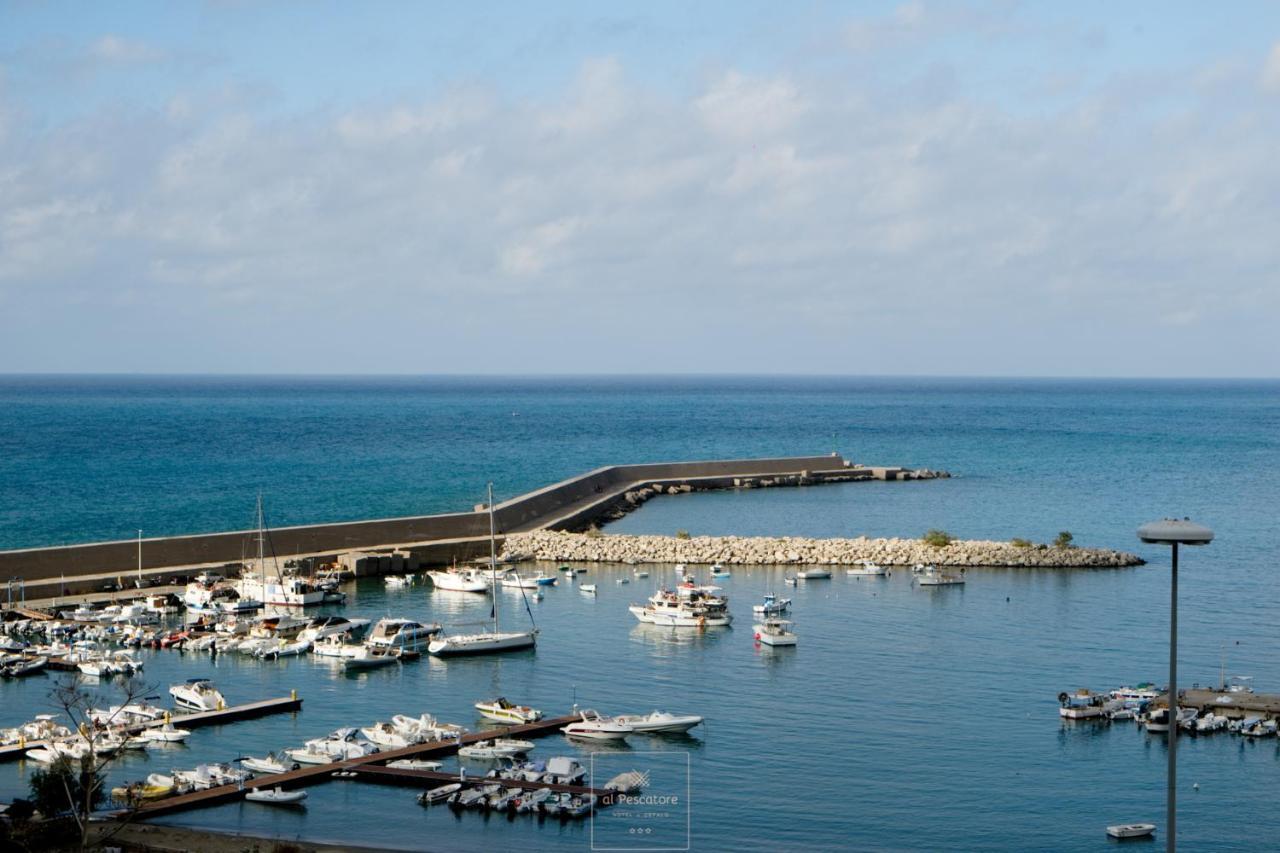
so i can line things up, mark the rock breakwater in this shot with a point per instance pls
(757, 550)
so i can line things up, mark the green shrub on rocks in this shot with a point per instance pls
(1020, 543)
(1064, 540)
(937, 538)
(682, 534)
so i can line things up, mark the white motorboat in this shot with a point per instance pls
(426, 728)
(775, 632)
(592, 726)
(333, 626)
(283, 649)
(490, 750)
(337, 647)
(460, 580)
(393, 634)
(276, 796)
(414, 764)
(1131, 830)
(269, 765)
(513, 580)
(932, 577)
(1211, 722)
(43, 754)
(389, 736)
(813, 574)
(503, 711)
(772, 605)
(587, 589)
(867, 569)
(659, 722)
(395, 581)
(343, 744)
(197, 694)
(719, 571)
(312, 754)
(530, 801)
(168, 733)
(640, 574)
(164, 603)
(562, 770)
(437, 795)
(368, 658)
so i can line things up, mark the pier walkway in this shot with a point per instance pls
(230, 714)
(320, 773)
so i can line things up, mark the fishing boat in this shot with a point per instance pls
(775, 632)
(393, 634)
(460, 580)
(493, 640)
(687, 607)
(659, 722)
(1131, 830)
(867, 569)
(197, 694)
(590, 725)
(503, 711)
(1085, 705)
(772, 605)
(513, 580)
(437, 795)
(276, 796)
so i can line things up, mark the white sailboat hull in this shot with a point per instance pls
(479, 644)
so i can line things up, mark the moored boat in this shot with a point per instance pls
(503, 711)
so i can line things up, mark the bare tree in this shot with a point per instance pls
(102, 736)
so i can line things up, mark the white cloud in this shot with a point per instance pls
(1271, 70)
(120, 50)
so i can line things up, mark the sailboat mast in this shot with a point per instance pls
(493, 562)
(139, 559)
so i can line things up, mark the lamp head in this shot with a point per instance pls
(1175, 531)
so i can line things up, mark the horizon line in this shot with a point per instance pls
(624, 375)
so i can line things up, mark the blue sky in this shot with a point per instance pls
(986, 188)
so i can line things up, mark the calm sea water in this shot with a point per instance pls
(906, 719)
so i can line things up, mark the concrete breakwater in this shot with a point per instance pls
(559, 546)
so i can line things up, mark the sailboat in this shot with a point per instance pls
(283, 589)
(494, 640)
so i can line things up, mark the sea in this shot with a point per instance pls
(906, 718)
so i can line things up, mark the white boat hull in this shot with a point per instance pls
(479, 644)
(679, 620)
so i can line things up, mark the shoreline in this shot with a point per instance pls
(143, 837)
(555, 546)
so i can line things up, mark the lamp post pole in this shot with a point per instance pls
(1171, 795)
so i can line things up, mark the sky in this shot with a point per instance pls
(981, 189)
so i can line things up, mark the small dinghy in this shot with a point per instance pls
(587, 588)
(168, 733)
(276, 797)
(438, 795)
(1131, 830)
(414, 764)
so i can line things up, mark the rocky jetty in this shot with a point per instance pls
(751, 550)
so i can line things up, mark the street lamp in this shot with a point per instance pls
(1175, 532)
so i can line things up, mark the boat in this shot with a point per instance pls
(437, 795)
(568, 569)
(493, 640)
(414, 764)
(630, 782)
(641, 574)
(341, 745)
(772, 605)
(624, 579)
(276, 796)
(1261, 728)
(932, 577)
(495, 749)
(311, 754)
(269, 765)
(659, 722)
(460, 580)
(1131, 830)
(336, 647)
(867, 569)
(531, 801)
(588, 588)
(168, 733)
(393, 634)
(775, 632)
(163, 603)
(687, 607)
(513, 580)
(503, 711)
(1085, 705)
(719, 571)
(426, 728)
(155, 787)
(197, 694)
(284, 589)
(395, 581)
(333, 626)
(592, 726)
(367, 658)
(23, 666)
(284, 649)
(813, 574)
(544, 579)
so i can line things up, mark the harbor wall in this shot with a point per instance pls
(564, 505)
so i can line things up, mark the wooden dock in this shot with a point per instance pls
(320, 773)
(1237, 704)
(434, 779)
(189, 721)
